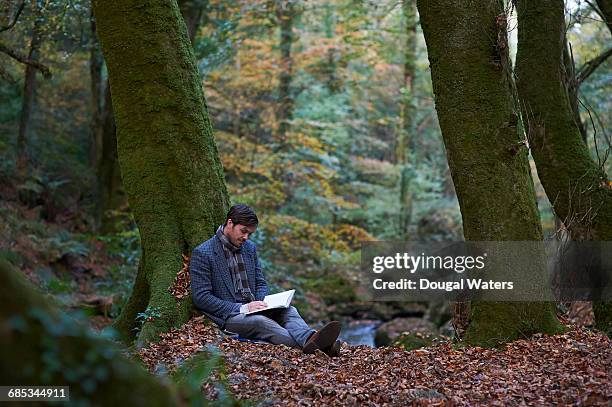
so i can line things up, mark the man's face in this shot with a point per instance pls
(237, 233)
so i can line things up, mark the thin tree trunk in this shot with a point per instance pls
(111, 195)
(95, 70)
(29, 90)
(193, 12)
(169, 161)
(333, 82)
(96, 62)
(407, 129)
(285, 12)
(576, 186)
(487, 158)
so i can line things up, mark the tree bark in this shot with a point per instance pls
(333, 82)
(96, 62)
(40, 346)
(573, 86)
(111, 195)
(29, 90)
(577, 187)
(169, 161)
(486, 155)
(193, 11)
(407, 129)
(285, 13)
(605, 7)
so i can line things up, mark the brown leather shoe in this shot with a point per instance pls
(324, 338)
(334, 350)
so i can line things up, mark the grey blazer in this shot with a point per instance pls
(212, 287)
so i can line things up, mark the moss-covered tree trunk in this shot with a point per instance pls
(407, 127)
(578, 189)
(468, 55)
(40, 346)
(169, 161)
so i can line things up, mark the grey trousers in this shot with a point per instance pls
(278, 326)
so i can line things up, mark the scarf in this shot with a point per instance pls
(236, 266)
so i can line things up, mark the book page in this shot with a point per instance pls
(279, 299)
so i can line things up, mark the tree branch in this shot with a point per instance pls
(589, 67)
(4, 74)
(24, 60)
(12, 24)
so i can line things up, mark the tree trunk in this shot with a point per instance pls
(193, 11)
(96, 63)
(578, 189)
(285, 13)
(487, 158)
(29, 90)
(111, 195)
(40, 346)
(605, 7)
(333, 82)
(407, 129)
(169, 161)
(572, 86)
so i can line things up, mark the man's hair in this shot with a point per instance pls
(241, 214)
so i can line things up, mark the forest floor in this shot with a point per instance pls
(92, 273)
(574, 368)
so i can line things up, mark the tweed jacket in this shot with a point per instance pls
(212, 287)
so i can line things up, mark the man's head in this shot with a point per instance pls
(240, 223)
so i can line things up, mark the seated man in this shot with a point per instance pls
(226, 273)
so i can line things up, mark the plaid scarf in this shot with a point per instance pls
(236, 266)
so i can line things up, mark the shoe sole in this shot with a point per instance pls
(326, 337)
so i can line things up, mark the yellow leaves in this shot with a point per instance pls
(307, 141)
(299, 239)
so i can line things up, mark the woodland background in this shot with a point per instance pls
(324, 119)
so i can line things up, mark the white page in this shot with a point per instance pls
(278, 300)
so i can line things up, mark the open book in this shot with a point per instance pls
(278, 300)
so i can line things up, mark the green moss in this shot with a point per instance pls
(572, 180)
(167, 154)
(41, 346)
(495, 323)
(471, 76)
(603, 317)
(576, 186)
(411, 341)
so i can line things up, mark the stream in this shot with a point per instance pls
(359, 332)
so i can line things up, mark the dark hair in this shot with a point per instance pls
(243, 215)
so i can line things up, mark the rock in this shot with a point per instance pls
(389, 331)
(447, 329)
(97, 304)
(439, 312)
(440, 225)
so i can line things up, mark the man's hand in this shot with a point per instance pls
(256, 305)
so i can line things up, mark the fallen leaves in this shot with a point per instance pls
(573, 368)
(181, 284)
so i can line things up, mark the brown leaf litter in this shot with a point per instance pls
(568, 369)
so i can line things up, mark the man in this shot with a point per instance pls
(226, 273)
